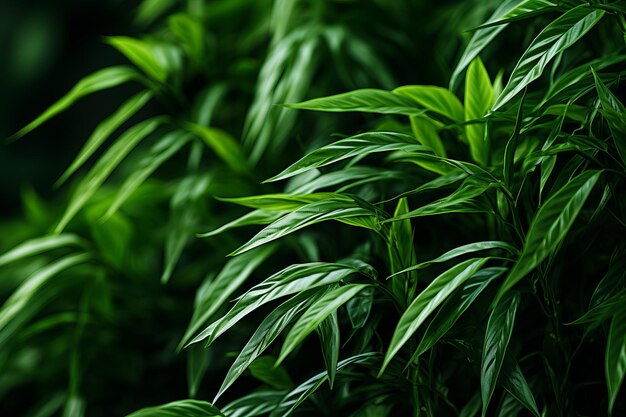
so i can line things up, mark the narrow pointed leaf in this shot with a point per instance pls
(104, 130)
(460, 251)
(39, 245)
(231, 277)
(142, 54)
(615, 360)
(366, 100)
(497, 336)
(329, 335)
(183, 408)
(343, 209)
(427, 301)
(514, 382)
(359, 145)
(454, 307)
(291, 280)
(105, 165)
(555, 38)
(550, 225)
(316, 314)
(100, 80)
(271, 327)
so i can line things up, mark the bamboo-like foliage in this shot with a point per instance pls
(456, 251)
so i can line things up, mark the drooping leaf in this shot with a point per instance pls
(615, 359)
(556, 37)
(104, 129)
(497, 336)
(39, 245)
(254, 404)
(281, 202)
(255, 217)
(462, 200)
(100, 80)
(298, 395)
(479, 97)
(190, 33)
(550, 225)
(460, 251)
(271, 327)
(344, 209)
(29, 288)
(291, 280)
(359, 145)
(329, 335)
(366, 100)
(105, 165)
(427, 301)
(236, 271)
(454, 307)
(183, 408)
(514, 382)
(163, 150)
(316, 314)
(615, 114)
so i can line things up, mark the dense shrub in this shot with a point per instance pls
(457, 250)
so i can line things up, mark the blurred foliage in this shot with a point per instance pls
(114, 271)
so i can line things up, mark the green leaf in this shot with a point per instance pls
(100, 80)
(191, 35)
(105, 165)
(298, 395)
(163, 150)
(183, 408)
(479, 41)
(224, 145)
(354, 146)
(255, 217)
(291, 280)
(150, 10)
(454, 307)
(344, 209)
(255, 404)
(615, 359)
(104, 129)
(514, 382)
(271, 327)
(460, 251)
(523, 10)
(366, 100)
(359, 308)
(555, 38)
(316, 314)
(479, 97)
(462, 200)
(550, 225)
(436, 99)
(497, 336)
(39, 245)
(329, 335)
(615, 114)
(427, 301)
(282, 202)
(29, 288)
(265, 370)
(142, 54)
(212, 295)
(425, 131)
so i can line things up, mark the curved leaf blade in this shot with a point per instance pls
(427, 301)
